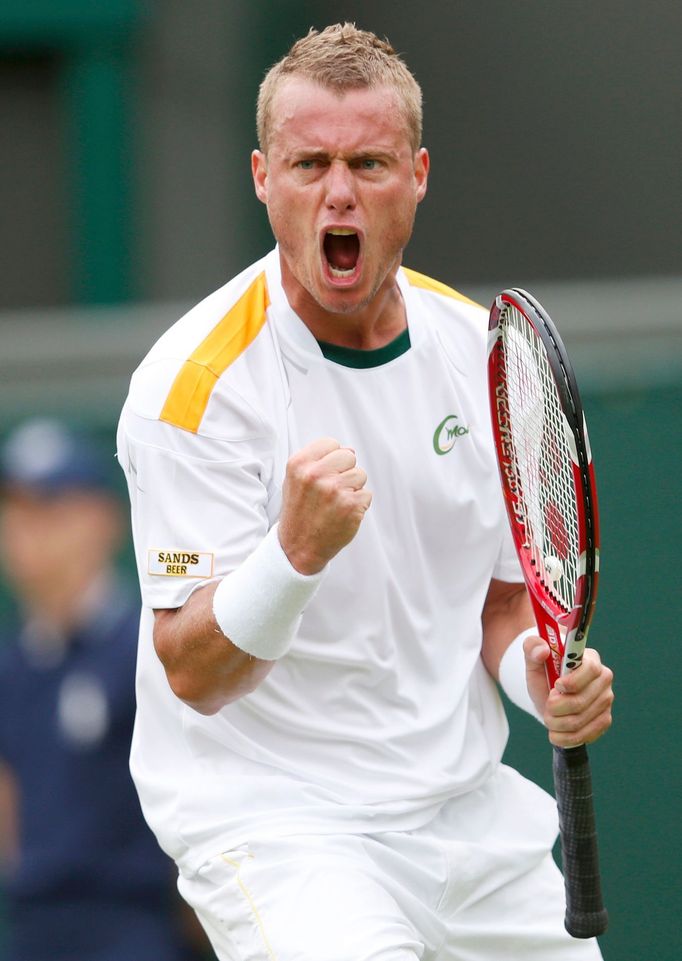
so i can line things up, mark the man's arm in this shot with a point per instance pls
(578, 709)
(324, 499)
(204, 668)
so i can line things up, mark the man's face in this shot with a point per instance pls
(341, 183)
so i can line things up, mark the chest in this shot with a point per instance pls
(420, 429)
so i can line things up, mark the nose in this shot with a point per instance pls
(340, 187)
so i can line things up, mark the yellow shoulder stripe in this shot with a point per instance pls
(189, 396)
(427, 283)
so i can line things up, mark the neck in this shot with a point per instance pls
(371, 325)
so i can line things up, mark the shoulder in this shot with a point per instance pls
(217, 353)
(448, 295)
(455, 317)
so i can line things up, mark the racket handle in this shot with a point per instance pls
(586, 916)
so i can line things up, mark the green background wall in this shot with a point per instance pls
(636, 767)
(125, 175)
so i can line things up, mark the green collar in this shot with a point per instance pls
(352, 357)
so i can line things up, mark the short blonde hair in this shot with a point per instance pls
(342, 58)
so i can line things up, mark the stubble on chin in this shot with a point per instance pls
(306, 289)
(346, 303)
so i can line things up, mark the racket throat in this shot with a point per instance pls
(550, 632)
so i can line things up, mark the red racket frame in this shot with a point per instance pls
(563, 629)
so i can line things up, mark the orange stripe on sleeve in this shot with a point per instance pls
(189, 396)
(427, 283)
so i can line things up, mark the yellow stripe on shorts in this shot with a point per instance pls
(189, 396)
(427, 283)
(252, 905)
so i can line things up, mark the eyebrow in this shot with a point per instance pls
(316, 153)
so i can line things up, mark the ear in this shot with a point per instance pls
(422, 164)
(260, 175)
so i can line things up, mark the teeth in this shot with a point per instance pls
(336, 272)
(341, 232)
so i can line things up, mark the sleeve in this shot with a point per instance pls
(199, 505)
(507, 566)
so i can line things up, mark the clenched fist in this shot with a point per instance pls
(324, 500)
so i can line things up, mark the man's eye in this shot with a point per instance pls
(306, 164)
(369, 163)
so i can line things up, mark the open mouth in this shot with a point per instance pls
(342, 250)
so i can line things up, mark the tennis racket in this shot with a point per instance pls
(545, 463)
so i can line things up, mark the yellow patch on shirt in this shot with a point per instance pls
(188, 399)
(176, 563)
(435, 286)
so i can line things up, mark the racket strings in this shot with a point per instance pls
(546, 497)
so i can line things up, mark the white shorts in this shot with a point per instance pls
(476, 884)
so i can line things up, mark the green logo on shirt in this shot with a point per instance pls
(447, 433)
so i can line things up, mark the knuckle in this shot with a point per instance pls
(592, 662)
(292, 467)
(599, 727)
(312, 473)
(558, 725)
(297, 465)
(578, 703)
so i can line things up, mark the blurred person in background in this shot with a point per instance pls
(83, 877)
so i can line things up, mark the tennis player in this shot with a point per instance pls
(330, 592)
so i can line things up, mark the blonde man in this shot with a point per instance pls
(329, 588)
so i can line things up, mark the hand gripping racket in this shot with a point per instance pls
(545, 464)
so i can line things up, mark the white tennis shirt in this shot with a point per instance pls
(382, 708)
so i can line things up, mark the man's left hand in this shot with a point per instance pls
(578, 709)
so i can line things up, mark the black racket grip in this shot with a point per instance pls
(586, 916)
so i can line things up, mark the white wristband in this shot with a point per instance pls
(512, 674)
(259, 605)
